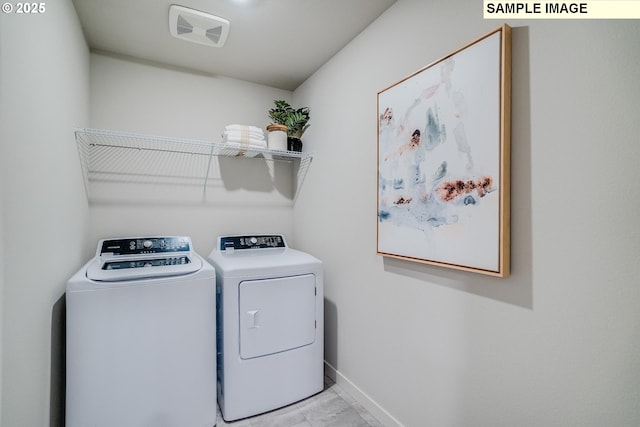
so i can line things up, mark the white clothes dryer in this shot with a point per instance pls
(270, 324)
(141, 336)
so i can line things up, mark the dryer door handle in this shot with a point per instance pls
(252, 319)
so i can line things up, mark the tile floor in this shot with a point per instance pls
(331, 408)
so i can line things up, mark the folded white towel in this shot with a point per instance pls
(244, 128)
(240, 149)
(239, 134)
(249, 142)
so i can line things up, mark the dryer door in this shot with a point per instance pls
(277, 314)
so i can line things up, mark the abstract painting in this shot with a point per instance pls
(443, 160)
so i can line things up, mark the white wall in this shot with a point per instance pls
(556, 343)
(139, 97)
(1, 277)
(44, 72)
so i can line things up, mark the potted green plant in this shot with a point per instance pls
(277, 130)
(280, 112)
(296, 121)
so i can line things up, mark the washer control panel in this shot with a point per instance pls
(144, 245)
(155, 262)
(251, 242)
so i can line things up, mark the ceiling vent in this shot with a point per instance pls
(197, 27)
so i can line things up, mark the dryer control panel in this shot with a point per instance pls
(251, 242)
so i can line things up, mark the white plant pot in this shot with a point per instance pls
(277, 137)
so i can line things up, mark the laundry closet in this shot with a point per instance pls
(172, 172)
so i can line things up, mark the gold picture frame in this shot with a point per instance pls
(444, 160)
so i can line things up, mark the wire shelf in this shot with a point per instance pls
(112, 156)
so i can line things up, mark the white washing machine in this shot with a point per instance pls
(270, 324)
(141, 337)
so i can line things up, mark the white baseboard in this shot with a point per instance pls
(361, 397)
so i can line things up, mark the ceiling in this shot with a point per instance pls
(277, 43)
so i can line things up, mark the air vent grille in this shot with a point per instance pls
(197, 27)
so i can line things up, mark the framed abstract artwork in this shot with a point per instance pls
(443, 160)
